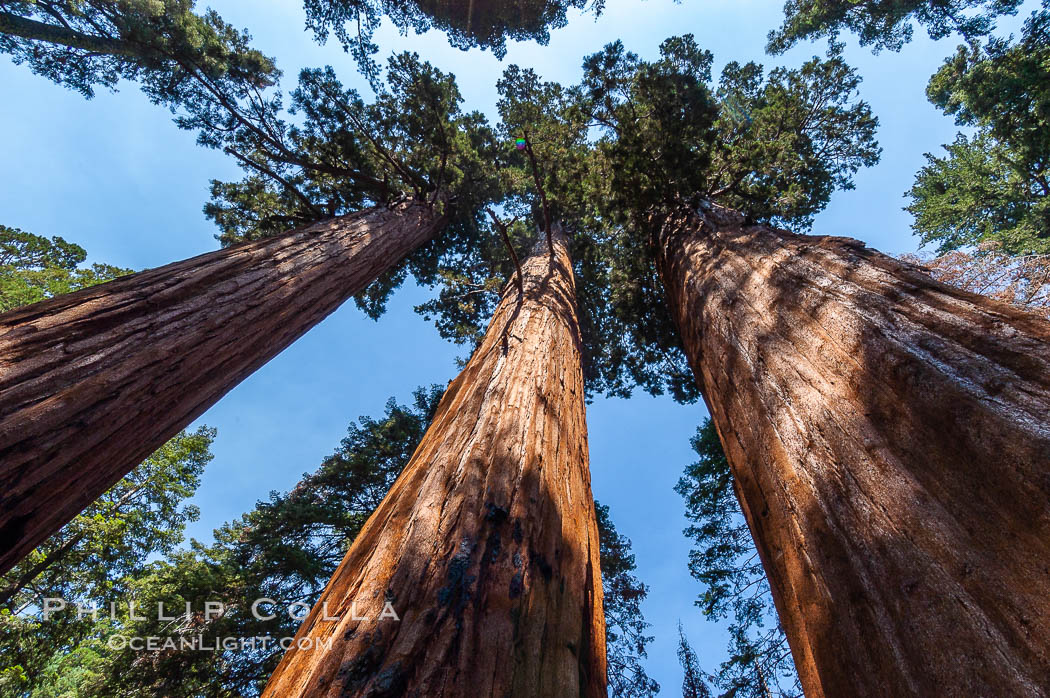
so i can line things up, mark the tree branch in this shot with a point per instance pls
(269, 172)
(506, 241)
(33, 30)
(539, 187)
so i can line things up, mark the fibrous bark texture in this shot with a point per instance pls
(93, 382)
(890, 445)
(487, 545)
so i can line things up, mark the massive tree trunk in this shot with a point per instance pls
(890, 444)
(95, 381)
(487, 545)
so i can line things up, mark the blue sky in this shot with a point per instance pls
(116, 176)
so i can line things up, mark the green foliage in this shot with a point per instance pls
(99, 554)
(993, 186)
(774, 147)
(658, 124)
(550, 119)
(787, 142)
(342, 154)
(633, 139)
(625, 627)
(726, 563)
(886, 25)
(33, 268)
(180, 58)
(469, 24)
(694, 680)
(96, 557)
(286, 550)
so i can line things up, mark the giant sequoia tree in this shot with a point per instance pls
(148, 353)
(95, 380)
(486, 546)
(887, 433)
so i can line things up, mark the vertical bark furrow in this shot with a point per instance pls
(93, 382)
(891, 449)
(486, 546)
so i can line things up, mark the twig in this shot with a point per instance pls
(502, 227)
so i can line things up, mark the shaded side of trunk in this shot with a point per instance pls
(487, 545)
(93, 382)
(890, 444)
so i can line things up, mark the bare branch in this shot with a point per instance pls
(506, 241)
(543, 193)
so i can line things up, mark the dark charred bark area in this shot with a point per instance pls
(93, 382)
(890, 444)
(487, 545)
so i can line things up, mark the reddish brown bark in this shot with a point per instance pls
(487, 544)
(95, 381)
(889, 439)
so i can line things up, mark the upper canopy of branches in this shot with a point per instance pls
(882, 24)
(341, 154)
(992, 185)
(634, 138)
(468, 23)
(773, 146)
(178, 56)
(598, 158)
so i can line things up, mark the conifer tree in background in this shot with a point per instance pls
(727, 564)
(33, 268)
(625, 627)
(693, 683)
(96, 558)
